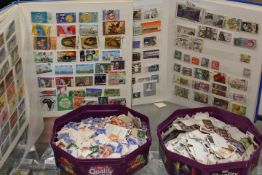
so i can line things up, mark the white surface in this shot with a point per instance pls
(228, 55)
(6, 18)
(126, 13)
(162, 38)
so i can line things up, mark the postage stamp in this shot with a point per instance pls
(137, 14)
(237, 83)
(84, 81)
(181, 92)
(238, 109)
(214, 20)
(45, 82)
(84, 68)
(100, 79)
(189, 13)
(112, 55)
(88, 17)
(200, 97)
(41, 30)
(219, 77)
(149, 89)
(66, 17)
(136, 67)
(225, 36)
(151, 27)
(66, 56)
(245, 42)
(220, 103)
(39, 17)
(150, 13)
(111, 15)
(151, 54)
(249, 27)
(208, 32)
(65, 30)
(89, 42)
(114, 28)
(88, 30)
(201, 86)
(245, 58)
(232, 23)
(183, 30)
(187, 71)
(113, 42)
(202, 74)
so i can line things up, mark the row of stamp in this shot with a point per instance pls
(137, 68)
(71, 56)
(197, 14)
(114, 78)
(246, 72)
(92, 17)
(215, 35)
(10, 131)
(207, 99)
(145, 79)
(109, 28)
(69, 69)
(71, 17)
(146, 54)
(71, 42)
(205, 75)
(204, 62)
(214, 88)
(111, 79)
(50, 101)
(196, 44)
(88, 92)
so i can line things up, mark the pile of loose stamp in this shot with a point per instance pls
(108, 137)
(208, 140)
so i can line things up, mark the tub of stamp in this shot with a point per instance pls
(208, 141)
(101, 140)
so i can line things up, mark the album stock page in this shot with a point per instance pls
(214, 55)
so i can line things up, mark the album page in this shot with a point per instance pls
(149, 51)
(81, 53)
(215, 55)
(14, 102)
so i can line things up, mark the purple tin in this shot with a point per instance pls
(118, 166)
(175, 164)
